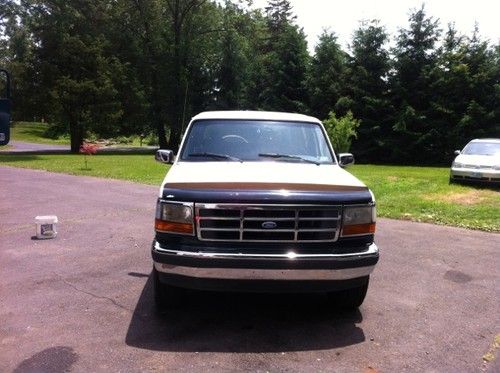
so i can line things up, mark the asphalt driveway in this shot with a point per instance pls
(82, 301)
(22, 146)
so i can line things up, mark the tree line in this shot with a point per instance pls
(122, 67)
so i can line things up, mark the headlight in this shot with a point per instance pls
(358, 220)
(174, 217)
(457, 165)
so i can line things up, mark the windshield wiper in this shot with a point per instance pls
(287, 156)
(215, 156)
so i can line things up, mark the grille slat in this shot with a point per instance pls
(267, 223)
(265, 219)
(222, 229)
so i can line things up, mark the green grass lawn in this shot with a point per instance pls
(411, 193)
(34, 132)
(141, 168)
(423, 194)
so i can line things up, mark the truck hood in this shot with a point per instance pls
(272, 175)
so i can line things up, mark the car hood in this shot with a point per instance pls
(478, 160)
(272, 175)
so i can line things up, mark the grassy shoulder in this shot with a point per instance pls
(411, 193)
(38, 133)
(35, 132)
(423, 194)
(140, 168)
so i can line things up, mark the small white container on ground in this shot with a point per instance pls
(46, 226)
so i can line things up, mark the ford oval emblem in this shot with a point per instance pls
(269, 225)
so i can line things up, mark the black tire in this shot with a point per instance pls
(349, 299)
(166, 296)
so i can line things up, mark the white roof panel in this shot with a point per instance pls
(256, 115)
(485, 140)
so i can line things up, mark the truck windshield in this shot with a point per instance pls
(256, 140)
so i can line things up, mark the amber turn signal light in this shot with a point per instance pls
(350, 230)
(168, 226)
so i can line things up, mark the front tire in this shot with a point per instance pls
(165, 296)
(349, 299)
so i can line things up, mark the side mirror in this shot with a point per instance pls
(457, 152)
(345, 159)
(164, 156)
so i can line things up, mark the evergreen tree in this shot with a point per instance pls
(192, 40)
(326, 75)
(74, 69)
(481, 117)
(132, 77)
(464, 100)
(415, 57)
(284, 61)
(146, 36)
(258, 46)
(16, 55)
(368, 90)
(449, 91)
(279, 15)
(233, 69)
(132, 66)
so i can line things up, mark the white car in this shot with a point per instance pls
(478, 161)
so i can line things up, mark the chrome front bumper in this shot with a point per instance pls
(347, 266)
(474, 174)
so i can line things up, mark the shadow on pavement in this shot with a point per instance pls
(242, 322)
(58, 359)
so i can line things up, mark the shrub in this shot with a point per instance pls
(151, 139)
(88, 149)
(123, 139)
(341, 131)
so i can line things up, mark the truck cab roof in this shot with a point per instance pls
(255, 115)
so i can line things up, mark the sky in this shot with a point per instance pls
(343, 16)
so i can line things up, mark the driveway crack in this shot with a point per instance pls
(115, 303)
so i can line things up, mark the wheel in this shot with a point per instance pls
(349, 299)
(165, 296)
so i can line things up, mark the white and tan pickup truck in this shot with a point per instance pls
(258, 201)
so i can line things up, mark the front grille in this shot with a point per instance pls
(267, 223)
